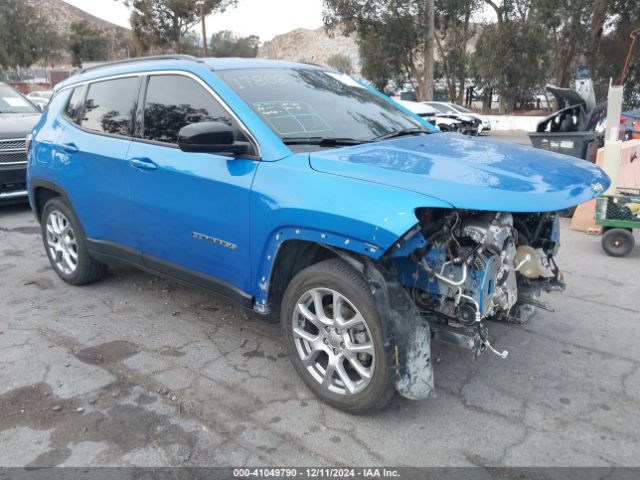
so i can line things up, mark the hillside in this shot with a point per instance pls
(62, 15)
(311, 46)
(315, 46)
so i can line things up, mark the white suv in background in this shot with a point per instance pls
(433, 116)
(483, 123)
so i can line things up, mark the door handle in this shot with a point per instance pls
(70, 147)
(143, 163)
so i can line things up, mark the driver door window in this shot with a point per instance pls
(173, 101)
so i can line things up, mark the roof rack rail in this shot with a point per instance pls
(142, 59)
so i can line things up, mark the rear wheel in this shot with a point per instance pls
(618, 242)
(334, 337)
(66, 247)
(444, 128)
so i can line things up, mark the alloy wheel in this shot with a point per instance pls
(333, 341)
(61, 242)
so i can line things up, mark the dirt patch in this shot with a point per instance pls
(124, 428)
(121, 427)
(171, 352)
(35, 407)
(144, 399)
(51, 458)
(41, 283)
(109, 352)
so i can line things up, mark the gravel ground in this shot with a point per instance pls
(136, 370)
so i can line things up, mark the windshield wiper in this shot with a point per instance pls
(322, 141)
(402, 133)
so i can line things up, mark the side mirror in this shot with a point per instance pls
(210, 137)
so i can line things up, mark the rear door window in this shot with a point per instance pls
(173, 101)
(110, 106)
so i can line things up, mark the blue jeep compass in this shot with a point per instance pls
(307, 196)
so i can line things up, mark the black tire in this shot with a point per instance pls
(339, 277)
(618, 242)
(86, 269)
(444, 128)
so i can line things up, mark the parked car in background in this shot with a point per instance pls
(18, 116)
(41, 98)
(444, 122)
(485, 123)
(307, 197)
(476, 123)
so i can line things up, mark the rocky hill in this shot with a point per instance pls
(311, 46)
(315, 46)
(62, 15)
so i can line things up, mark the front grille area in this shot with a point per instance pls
(12, 150)
(12, 157)
(12, 144)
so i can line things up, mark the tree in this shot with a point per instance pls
(49, 44)
(575, 28)
(122, 46)
(512, 55)
(401, 30)
(378, 65)
(164, 23)
(227, 44)
(340, 62)
(25, 36)
(608, 61)
(86, 43)
(454, 29)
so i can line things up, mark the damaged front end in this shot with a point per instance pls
(453, 271)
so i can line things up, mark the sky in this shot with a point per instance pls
(265, 18)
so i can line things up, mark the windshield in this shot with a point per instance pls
(439, 107)
(459, 108)
(310, 103)
(12, 102)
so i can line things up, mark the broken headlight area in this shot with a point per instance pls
(463, 267)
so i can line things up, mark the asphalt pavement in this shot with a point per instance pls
(140, 371)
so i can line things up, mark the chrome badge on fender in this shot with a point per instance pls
(215, 241)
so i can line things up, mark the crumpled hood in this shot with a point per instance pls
(469, 172)
(17, 125)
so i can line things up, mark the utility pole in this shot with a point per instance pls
(204, 28)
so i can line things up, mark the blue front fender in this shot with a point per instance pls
(353, 215)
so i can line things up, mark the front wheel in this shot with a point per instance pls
(618, 242)
(334, 337)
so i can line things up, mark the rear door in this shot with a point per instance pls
(191, 209)
(93, 148)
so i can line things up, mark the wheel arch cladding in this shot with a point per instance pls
(285, 251)
(41, 195)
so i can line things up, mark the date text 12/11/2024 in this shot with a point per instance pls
(324, 472)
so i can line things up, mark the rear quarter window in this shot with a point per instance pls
(110, 106)
(74, 106)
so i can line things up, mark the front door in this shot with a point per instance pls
(191, 209)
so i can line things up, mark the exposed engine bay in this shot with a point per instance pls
(463, 267)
